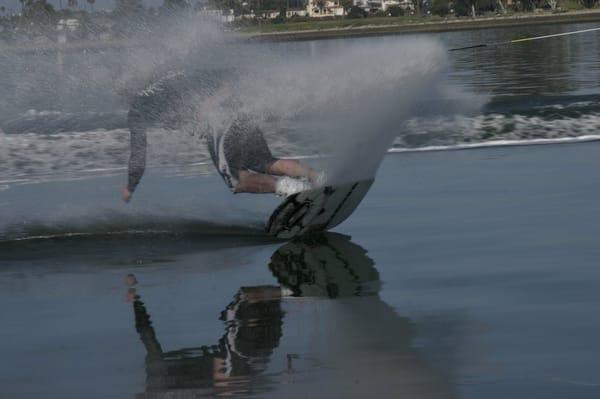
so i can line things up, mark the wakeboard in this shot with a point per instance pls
(319, 209)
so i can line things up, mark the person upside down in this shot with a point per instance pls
(240, 152)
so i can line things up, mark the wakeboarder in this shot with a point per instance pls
(238, 150)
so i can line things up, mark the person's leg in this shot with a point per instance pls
(249, 182)
(292, 168)
(249, 161)
(258, 158)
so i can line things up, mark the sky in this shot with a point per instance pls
(100, 4)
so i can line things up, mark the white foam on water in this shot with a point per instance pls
(34, 112)
(32, 156)
(576, 104)
(499, 143)
(465, 130)
(88, 234)
(29, 157)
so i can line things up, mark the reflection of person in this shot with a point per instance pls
(253, 329)
(240, 153)
(357, 343)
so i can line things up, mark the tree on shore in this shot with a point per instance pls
(464, 8)
(356, 12)
(72, 3)
(396, 11)
(91, 3)
(440, 7)
(38, 10)
(502, 7)
(417, 6)
(347, 4)
(530, 5)
(176, 4)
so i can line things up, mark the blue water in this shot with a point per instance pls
(463, 274)
(467, 274)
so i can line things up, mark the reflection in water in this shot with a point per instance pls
(324, 265)
(545, 67)
(253, 323)
(361, 345)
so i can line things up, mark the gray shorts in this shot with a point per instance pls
(241, 148)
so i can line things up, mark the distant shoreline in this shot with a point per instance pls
(447, 25)
(429, 27)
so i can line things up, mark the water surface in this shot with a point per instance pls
(464, 274)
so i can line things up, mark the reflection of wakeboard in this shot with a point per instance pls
(318, 209)
(325, 265)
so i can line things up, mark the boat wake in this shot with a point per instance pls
(499, 143)
(516, 121)
(63, 154)
(119, 243)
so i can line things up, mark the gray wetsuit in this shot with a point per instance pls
(170, 102)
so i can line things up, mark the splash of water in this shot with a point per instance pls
(348, 105)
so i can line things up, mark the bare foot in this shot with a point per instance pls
(126, 194)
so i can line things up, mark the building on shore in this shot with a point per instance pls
(215, 14)
(296, 12)
(324, 8)
(312, 9)
(268, 14)
(383, 5)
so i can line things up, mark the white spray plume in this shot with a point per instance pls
(349, 103)
(353, 103)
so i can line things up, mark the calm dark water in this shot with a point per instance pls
(464, 274)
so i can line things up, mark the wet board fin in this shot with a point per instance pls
(318, 209)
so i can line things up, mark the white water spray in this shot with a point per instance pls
(348, 104)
